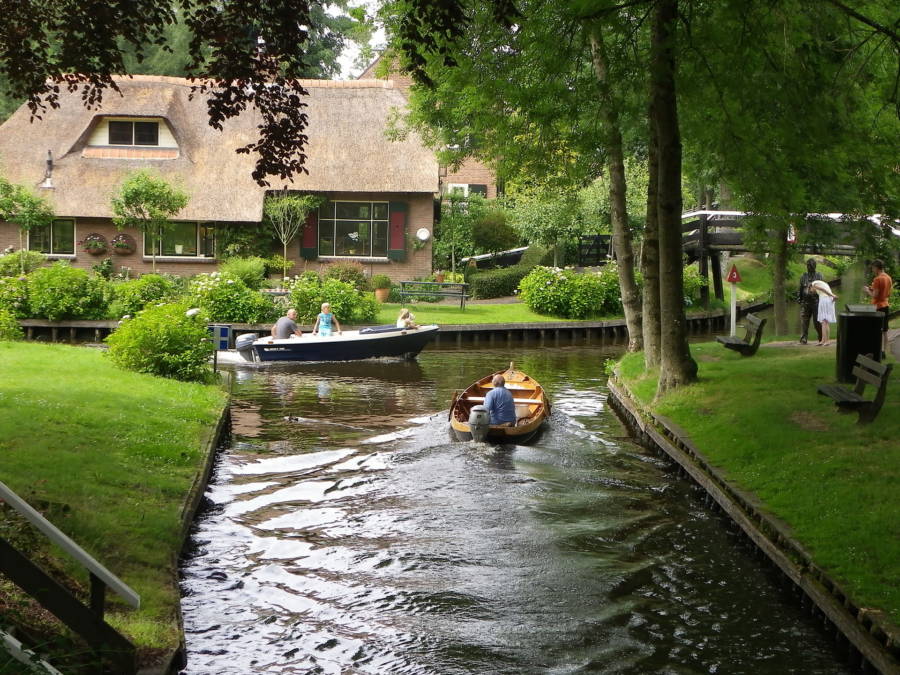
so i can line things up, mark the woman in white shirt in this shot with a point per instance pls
(826, 309)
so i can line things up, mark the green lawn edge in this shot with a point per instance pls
(834, 483)
(110, 458)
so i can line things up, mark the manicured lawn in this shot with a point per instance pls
(835, 483)
(427, 312)
(109, 456)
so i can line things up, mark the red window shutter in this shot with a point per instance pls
(309, 245)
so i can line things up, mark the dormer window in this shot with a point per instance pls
(133, 133)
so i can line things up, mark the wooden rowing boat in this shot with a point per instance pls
(532, 408)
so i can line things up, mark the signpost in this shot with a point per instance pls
(734, 278)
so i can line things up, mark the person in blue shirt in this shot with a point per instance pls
(324, 321)
(499, 403)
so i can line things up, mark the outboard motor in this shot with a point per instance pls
(479, 421)
(244, 346)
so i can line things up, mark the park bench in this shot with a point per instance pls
(428, 289)
(747, 345)
(866, 372)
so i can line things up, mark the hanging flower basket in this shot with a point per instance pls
(123, 244)
(94, 243)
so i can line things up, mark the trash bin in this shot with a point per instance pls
(221, 335)
(859, 332)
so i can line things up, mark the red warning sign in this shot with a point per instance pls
(734, 277)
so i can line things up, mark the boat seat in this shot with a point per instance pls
(526, 401)
(511, 386)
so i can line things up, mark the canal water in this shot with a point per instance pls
(346, 533)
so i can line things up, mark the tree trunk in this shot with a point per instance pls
(631, 298)
(650, 255)
(677, 367)
(779, 270)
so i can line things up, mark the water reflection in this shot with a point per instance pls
(348, 535)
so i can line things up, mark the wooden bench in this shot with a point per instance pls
(866, 371)
(747, 345)
(418, 289)
(517, 401)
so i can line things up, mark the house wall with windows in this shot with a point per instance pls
(380, 191)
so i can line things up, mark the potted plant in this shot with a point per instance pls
(94, 243)
(381, 284)
(123, 244)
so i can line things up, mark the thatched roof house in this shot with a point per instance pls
(155, 125)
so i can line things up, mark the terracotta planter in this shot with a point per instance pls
(381, 294)
(97, 251)
(123, 244)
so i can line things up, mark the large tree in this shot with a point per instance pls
(21, 206)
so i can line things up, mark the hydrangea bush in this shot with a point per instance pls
(545, 290)
(64, 292)
(9, 327)
(162, 340)
(226, 298)
(14, 296)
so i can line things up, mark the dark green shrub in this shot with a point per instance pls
(64, 292)
(228, 299)
(496, 283)
(692, 282)
(252, 271)
(104, 268)
(491, 232)
(9, 328)
(504, 281)
(11, 263)
(348, 271)
(14, 296)
(163, 341)
(134, 295)
(349, 305)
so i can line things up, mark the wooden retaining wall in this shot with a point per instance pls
(871, 640)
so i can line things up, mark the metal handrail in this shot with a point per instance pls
(69, 546)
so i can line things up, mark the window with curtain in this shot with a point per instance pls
(353, 229)
(57, 238)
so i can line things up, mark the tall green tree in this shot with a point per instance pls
(286, 214)
(21, 206)
(148, 203)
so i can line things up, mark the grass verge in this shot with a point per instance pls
(109, 457)
(834, 483)
(427, 312)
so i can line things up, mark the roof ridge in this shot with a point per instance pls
(307, 82)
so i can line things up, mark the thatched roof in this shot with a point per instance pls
(347, 151)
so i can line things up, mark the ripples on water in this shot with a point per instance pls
(347, 534)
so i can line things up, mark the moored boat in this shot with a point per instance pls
(350, 345)
(532, 409)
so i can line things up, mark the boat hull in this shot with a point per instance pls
(528, 396)
(351, 346)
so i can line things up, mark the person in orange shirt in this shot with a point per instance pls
(880, 292)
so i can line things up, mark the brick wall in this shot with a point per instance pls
(417, 263)
(472, 172)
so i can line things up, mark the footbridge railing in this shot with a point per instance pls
(107, 644)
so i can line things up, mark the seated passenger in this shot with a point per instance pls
(500, 404)
(406, 319)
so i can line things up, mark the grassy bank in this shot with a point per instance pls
(109, 457)
(834, 483)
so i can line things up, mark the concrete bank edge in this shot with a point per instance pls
(209, 443)
(869, 631)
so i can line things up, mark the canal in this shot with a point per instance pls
(345, 533)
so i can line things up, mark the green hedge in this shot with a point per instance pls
(504, 281)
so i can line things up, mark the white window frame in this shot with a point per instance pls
(211, 256)
(53, 254)
(368, 257)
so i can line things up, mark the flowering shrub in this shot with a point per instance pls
(14, 296)
(64, 292)
(348, 271)
(164, 341)
(586, 295)
(133, 295)
(225, 298)
(545, 290)
(9, 327)
(307, 293)
(94, 243)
